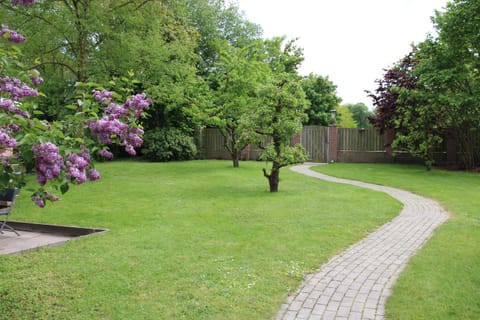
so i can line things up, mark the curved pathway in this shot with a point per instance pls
(356, 283)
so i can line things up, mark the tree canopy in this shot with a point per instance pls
(321, 92)
(280, 111)
(433, 92)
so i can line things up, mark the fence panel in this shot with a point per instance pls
(360, 140)
(315, 140)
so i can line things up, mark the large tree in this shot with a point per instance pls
(94, 41)
(434, 91)
(449, 72)
(280, 112)
(321, 93)
(360, 114)
(345, 118)
(234, 81)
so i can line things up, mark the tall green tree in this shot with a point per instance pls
(449, 72)
(281, 110)
(215, 21)
(360, 114)
(437, 92)
(321, 92)
(97, 40)
(345, 118)
(234, 80)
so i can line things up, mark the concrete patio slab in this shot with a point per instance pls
(35, 235)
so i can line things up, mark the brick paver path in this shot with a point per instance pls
(356, 283)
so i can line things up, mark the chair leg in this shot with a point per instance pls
(5, 225)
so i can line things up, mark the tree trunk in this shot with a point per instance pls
(273, 177)
(235, 159)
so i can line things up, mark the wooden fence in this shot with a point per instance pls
(315, 140)
(352, 145)
(326, 144)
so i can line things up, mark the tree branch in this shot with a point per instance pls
(265, 173)
(55, 63)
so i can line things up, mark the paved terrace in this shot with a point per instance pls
(356, 283)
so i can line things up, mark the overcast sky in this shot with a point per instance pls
(350, 41)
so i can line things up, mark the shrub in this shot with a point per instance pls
(168, 144)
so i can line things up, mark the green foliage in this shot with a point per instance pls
(360, 114)
(280, 110)
(321, 92)
(436, 93)
(168, 144)
(288, 155)
(234, 81)
(345, 118)
(95, 41)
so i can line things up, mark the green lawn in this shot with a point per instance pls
(443, 280)
(188, 240)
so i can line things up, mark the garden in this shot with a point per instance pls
(186, 240)
(207, 239)
(201, 240)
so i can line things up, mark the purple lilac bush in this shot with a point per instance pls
(58, 158)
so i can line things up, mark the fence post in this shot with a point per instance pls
(332, 143)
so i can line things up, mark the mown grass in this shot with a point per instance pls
(190, 240)
(443, 280)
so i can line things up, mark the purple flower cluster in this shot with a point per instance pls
(35, 77)
(22, 2)
(138, 103)
(106, 154)
(13, 36)
(77, 163)
(48, 162)
(6, 141)
(8, 105)
(16, 88)
(38, 201)
(111, 124)
(105, 128)
(102, 96)
(131, 139)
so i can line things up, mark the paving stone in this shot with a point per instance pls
(360, 279)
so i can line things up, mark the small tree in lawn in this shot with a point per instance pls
(234, 80)
(280, 112)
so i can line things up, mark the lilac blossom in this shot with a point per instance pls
(104, 128)
(23, 2)
(76, 165)
(35, 77)
(102, 96)
(8, 105)
(14, 127)
(106, 154)
(111, 126)
(48, 162)
(138, 103)
(16, 88)
(13, 36)
(6, 141)
(38, 201)
(116, 111)
(93, 175)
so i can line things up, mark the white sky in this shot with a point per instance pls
(350, 41)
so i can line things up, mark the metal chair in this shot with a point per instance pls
(7, 200)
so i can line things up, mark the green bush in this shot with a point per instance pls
(168, 144)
